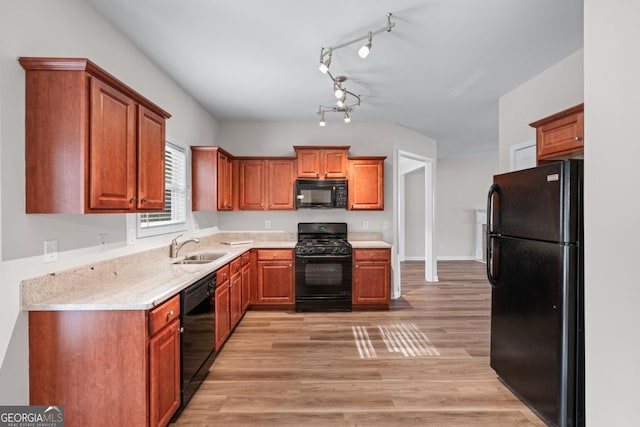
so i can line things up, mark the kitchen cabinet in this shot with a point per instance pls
(92, 144)
(246, 281)
(561, 135)
(223, 314)
(164, 362)
(266, 183)
(252, 188)
(366, 183)
(211, 179)
(91, 362)
(371, 278)
(275, 278)
(235, 293)
(322, 162)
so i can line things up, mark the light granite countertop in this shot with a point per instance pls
(140, 281)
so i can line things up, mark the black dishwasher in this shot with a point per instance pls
(197, 315)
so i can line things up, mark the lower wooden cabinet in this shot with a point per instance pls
(121, 367)
(164, 374)
(275, 278)
(235, 293)
(223, 314)
(371, 278)
(246, 281)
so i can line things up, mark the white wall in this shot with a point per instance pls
(68, 28)
(553, 90)
(414, 214)
(462, 186)
(612, 209)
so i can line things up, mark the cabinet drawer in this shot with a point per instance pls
(222, 275)
(246, 257)
(277, 254)
(236, 266)
(164, 314)
(372, 254)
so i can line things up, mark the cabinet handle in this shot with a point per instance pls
(577, 138)
(169, 313)
(317, 173)
(144, 200)
(325, 174)
(133, 199)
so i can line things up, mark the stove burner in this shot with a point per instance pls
(322, 240)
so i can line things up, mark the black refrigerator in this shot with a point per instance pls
(535, 267)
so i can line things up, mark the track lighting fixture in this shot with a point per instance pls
(346, 100)
(324, 65)
(364, 50)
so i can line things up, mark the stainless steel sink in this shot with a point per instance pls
(205, 256)
(202, 258)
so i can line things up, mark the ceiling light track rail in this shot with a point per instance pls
(328, 51)
(347, 100)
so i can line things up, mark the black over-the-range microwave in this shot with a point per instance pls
(321, 193)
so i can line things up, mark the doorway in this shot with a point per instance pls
(409, 163)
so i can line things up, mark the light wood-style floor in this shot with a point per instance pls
(422, 363)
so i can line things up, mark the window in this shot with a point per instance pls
(174, 216)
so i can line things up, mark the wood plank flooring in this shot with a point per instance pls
(425, 362)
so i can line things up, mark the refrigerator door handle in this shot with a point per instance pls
(494, 189)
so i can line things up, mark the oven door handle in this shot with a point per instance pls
(320, 257)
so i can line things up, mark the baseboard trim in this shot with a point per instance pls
(456, 258)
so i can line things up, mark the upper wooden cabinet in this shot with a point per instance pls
(266, 183)
(322, 162)
(211, 179)
(561, 135)
(366, 183)
(92, 143)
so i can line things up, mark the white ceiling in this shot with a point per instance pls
(440, 71)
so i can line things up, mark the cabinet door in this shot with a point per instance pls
(334, 162)
(151, 160)
(246, 287)
(281, 182)
(275, 282)
(164, 374)
(225, 183)
(204, 179)
(366, 184)
(112, 149)
(309, 163)
(235, 299)
(222, 314)
(371, 283)
(252, 184)
(561, 137)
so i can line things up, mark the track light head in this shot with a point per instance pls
(322, 122)
(347, 118)
(324, 64)
(364, 50)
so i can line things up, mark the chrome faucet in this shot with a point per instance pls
(175, 247)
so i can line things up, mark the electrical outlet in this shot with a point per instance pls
(50, 250)
(365, 225)
(267, 225)
(131, 236)
(102, 238)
